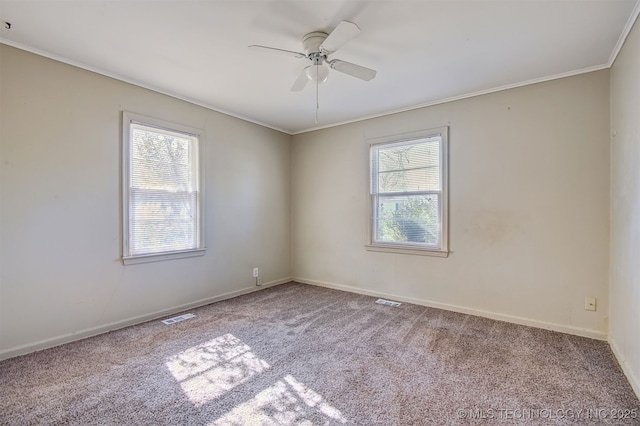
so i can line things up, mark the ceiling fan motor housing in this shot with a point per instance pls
(312, 41)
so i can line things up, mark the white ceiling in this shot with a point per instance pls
(424, 51)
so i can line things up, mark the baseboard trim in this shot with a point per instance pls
(584, 332)
(626, 368)
(94, 331)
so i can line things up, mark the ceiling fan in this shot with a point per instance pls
(318, 46)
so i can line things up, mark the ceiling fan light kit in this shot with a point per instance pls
(318, 45)
(319, 73)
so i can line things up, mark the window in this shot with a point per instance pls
(408, 189)
(162, 196)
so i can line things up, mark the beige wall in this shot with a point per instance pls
(529, 207)
(61, 273)
(624, 330)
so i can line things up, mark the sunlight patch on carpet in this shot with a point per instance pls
(211, 369)
(286, 402)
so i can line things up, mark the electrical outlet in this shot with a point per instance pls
(256, 272)
(590, 303)
(258, 280)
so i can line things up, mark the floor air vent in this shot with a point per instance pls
(388, 303)
(178, 319)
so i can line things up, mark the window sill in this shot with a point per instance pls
(407, 250)
(157, 257)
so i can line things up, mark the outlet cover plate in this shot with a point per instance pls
(590, 303)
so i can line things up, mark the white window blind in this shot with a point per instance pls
(162, 192)
(407, 192)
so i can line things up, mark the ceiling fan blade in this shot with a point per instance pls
(344, 32)
(274, 49)
(352, 69)
(301, 81)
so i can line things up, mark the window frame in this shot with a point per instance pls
(127, 119)
(408, 247)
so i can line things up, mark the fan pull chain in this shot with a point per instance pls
(317, 84)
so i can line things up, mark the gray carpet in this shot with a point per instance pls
(299, 354)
